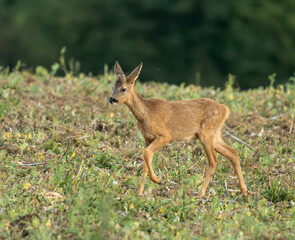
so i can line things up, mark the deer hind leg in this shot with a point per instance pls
(230, 153)
(148, 156)
(208, 144)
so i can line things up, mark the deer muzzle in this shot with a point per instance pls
(112, 100)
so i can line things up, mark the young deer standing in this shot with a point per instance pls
(161, 122)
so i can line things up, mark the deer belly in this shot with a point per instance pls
(183, 136)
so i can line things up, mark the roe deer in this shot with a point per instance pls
(162, 121)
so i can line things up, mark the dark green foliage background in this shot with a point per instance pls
(192, 41)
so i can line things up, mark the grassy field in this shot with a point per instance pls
(90, 161)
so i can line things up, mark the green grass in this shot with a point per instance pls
(91, 160)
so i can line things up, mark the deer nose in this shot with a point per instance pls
(112, 100)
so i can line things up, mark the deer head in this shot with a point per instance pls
(123, 88)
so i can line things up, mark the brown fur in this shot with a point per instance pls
(161, 122)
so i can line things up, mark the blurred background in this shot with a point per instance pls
(192, 41)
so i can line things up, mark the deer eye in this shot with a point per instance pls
(123, 89)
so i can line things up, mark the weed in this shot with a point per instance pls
(103, 160)
(275, 192)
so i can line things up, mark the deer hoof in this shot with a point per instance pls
(156, 180)
(200, 195)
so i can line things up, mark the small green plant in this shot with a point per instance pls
(2, 110)
(18, 65)
(42, 72)
(74, 66)
(54, 68)
(277, 193)
(272, 79)
(229, 85)
(103, 160)
(63, 61)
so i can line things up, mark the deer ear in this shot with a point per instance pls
(118, 69)
(135, 73)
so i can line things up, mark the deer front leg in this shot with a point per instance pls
(148, 155)
(144, 172)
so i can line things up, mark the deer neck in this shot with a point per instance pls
(137, 105)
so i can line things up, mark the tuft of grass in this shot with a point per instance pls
(276, 193)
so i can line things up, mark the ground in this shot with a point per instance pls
(71, 163)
